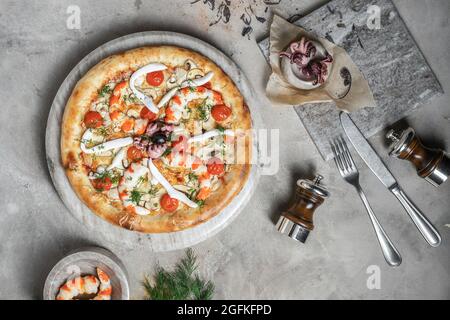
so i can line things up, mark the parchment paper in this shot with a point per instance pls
(346, 85)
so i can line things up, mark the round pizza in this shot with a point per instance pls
(156, 139)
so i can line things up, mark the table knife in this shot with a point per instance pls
(375, 164)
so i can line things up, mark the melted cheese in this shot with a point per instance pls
(173, 193)
(210, 134)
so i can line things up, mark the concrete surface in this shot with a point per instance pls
(249, 259)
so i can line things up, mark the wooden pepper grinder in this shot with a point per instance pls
(432, 164)
(297, 221)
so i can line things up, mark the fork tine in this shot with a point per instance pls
(336, 157)
(341, 154)
(344, 156)
(348, 154)
(340, 162)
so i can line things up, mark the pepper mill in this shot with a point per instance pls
(297, 221)
(432, 164)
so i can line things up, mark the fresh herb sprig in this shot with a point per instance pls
(104, 91)
(130, 99)
(203, 110)
(135, 196)
(179, 284)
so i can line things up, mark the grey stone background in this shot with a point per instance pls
(249, 259)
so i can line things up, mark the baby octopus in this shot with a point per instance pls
(303, 55)
(155, 140)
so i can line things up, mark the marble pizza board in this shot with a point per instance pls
(115, 234)
(397, 72)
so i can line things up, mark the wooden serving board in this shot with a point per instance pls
(397, 72)
(113, 233)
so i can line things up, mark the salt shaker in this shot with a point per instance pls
(297, 221)
(431, 164)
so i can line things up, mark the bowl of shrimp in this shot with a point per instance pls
(91, 273)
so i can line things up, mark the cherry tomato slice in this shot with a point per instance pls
(102, 184)
(169, 204)
(93, 119)
(147, 114)
(220, 112)
(155, 78)
(215, 166)
(134, 154)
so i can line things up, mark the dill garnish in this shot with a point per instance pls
(191, 193)
(135, 196)
(203, 110)
(200, 203)
(179, 284)
(130, 98)
(105, 90)
(103, 131)
(192, 177)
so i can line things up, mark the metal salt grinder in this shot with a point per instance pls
(297, 221)
(432, 164)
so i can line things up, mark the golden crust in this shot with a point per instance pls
(78, 104)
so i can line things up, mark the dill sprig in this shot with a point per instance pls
(104, 91)
(179, 284)
(135, 196)
(203, 110)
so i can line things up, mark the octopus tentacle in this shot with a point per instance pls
(301, 53)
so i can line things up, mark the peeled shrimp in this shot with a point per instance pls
(87, 285)
(105, 290)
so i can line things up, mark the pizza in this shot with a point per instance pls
(156, 139)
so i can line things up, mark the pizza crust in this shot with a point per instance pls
(86, 90)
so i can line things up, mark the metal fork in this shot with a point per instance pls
(350, 173)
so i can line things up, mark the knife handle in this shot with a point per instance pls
(425, 227)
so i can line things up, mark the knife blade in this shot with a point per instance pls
(377, 166)
(366, 151)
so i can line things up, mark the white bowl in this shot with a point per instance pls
(293, 74)
(85, 261)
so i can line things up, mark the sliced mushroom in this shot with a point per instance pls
(195, 74)
(172, 79)
(171, 82)
(189, 64)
